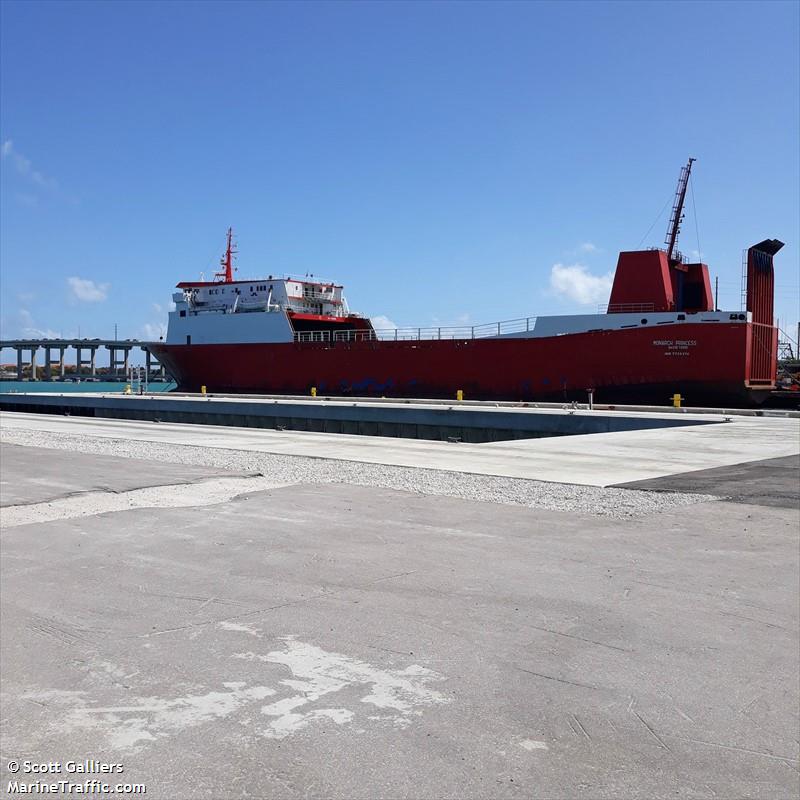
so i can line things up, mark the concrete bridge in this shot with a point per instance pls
(118, 361)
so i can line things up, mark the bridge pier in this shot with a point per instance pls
(114, 362)
(20, 361)
(153, 365)
(119, 356)
(48, 364)
(81, 361)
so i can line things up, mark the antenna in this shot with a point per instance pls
(677, 213)
(227, 260)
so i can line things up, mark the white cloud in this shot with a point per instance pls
(576, 283)
(156, 329)
(382, 323)
(87, 291)
(152, 331)
(451, 322)
(588, 247)
(25, 167)
(29, 330)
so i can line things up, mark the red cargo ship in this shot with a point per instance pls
(660, 335)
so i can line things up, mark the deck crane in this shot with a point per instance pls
(673, 256)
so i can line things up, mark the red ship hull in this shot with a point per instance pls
(711, 362)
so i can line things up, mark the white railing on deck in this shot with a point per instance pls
(509, 326)
(327, 297)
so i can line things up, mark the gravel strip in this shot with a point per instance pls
(280, 469)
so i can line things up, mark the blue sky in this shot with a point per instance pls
(439, 159)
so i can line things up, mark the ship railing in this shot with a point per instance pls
(626, 308)
(487, 330)
(328, 297)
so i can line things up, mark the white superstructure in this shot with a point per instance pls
(250, 311)
(261, 294)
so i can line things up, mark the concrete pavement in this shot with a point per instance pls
(352, 642)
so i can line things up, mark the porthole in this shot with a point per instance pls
(644, 322)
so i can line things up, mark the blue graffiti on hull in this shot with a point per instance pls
(367, 385)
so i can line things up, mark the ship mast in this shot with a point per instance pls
(227, 261)
(677, 213)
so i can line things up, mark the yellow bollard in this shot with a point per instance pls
(460, 394)
(313, 391)
(202, 390)
(676, 400)
(127, 389)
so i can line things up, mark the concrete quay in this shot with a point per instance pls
(645, 445)
(347, 641)
(442, 421)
